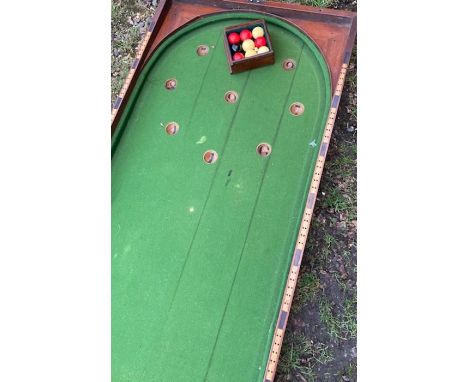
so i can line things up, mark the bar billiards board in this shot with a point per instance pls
(214, 178)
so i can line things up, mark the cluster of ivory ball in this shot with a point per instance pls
(251, 42)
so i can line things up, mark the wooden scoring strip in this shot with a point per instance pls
(303, 232)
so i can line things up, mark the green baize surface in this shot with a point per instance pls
(201, 252)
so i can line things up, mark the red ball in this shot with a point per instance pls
(260, 41)
(238, 56)
(234, 38)
(245, 35)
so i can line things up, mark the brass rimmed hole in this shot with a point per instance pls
(172, 128)
(210, 156)
(264, 149)
(171, 84)
(297, 108)
(203, 50)
(231, 96)
(289, 64)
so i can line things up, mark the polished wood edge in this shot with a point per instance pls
(291, 10)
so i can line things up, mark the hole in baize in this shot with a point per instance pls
(231, 96)
(297, 108)
(289, 64)
(264, 149)
(172, 128)
(210, 156)
(171, 84)
(203, 50)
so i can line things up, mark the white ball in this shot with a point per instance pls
(248, 45)
(257, 32)
(250, 53)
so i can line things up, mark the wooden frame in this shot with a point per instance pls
(334, 32)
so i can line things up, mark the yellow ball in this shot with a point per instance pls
(250, 53)
(257, 32)
(263, 49)
(248, 45)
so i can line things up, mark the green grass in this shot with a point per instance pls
(343, 164)
(300, 355)
(351, 372)
(340, 196)
(125, 39)
(329, 240)
(351, 76)
(343, 286)
(293, 349)
(326, 250)
(307, 288)
(352, 109)
(347, 256)
(339, 325)
(322, 354)
(351, 83)
(336, 200)
(342, 200)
